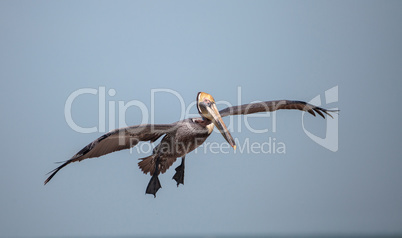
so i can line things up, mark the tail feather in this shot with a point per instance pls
(147, 164)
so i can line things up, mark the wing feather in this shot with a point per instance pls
(270, 106)
(119, 139)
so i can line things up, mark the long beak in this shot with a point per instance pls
(217, 120)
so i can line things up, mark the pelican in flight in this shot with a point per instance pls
(180, 138)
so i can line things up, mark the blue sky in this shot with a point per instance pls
(269, 49)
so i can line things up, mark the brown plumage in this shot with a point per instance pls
(180, 138)
(270, 106)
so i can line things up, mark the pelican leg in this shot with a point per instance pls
(179, 175)
(154, 184)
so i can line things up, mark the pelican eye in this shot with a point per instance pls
(208, 102)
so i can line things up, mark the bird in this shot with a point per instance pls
(179, 138)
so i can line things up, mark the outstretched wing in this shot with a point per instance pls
(270, 106)
(119, 139)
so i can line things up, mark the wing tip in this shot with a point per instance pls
(54, 171)
(311, 111)
(327, 111)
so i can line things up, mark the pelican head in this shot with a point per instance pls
(207, 109)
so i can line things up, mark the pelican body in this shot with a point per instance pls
(180, 138)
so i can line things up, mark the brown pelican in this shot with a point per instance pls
(180, 138)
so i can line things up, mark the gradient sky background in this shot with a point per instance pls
(271, 49)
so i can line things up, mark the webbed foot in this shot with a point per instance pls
(153, 186)
(179, 175)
